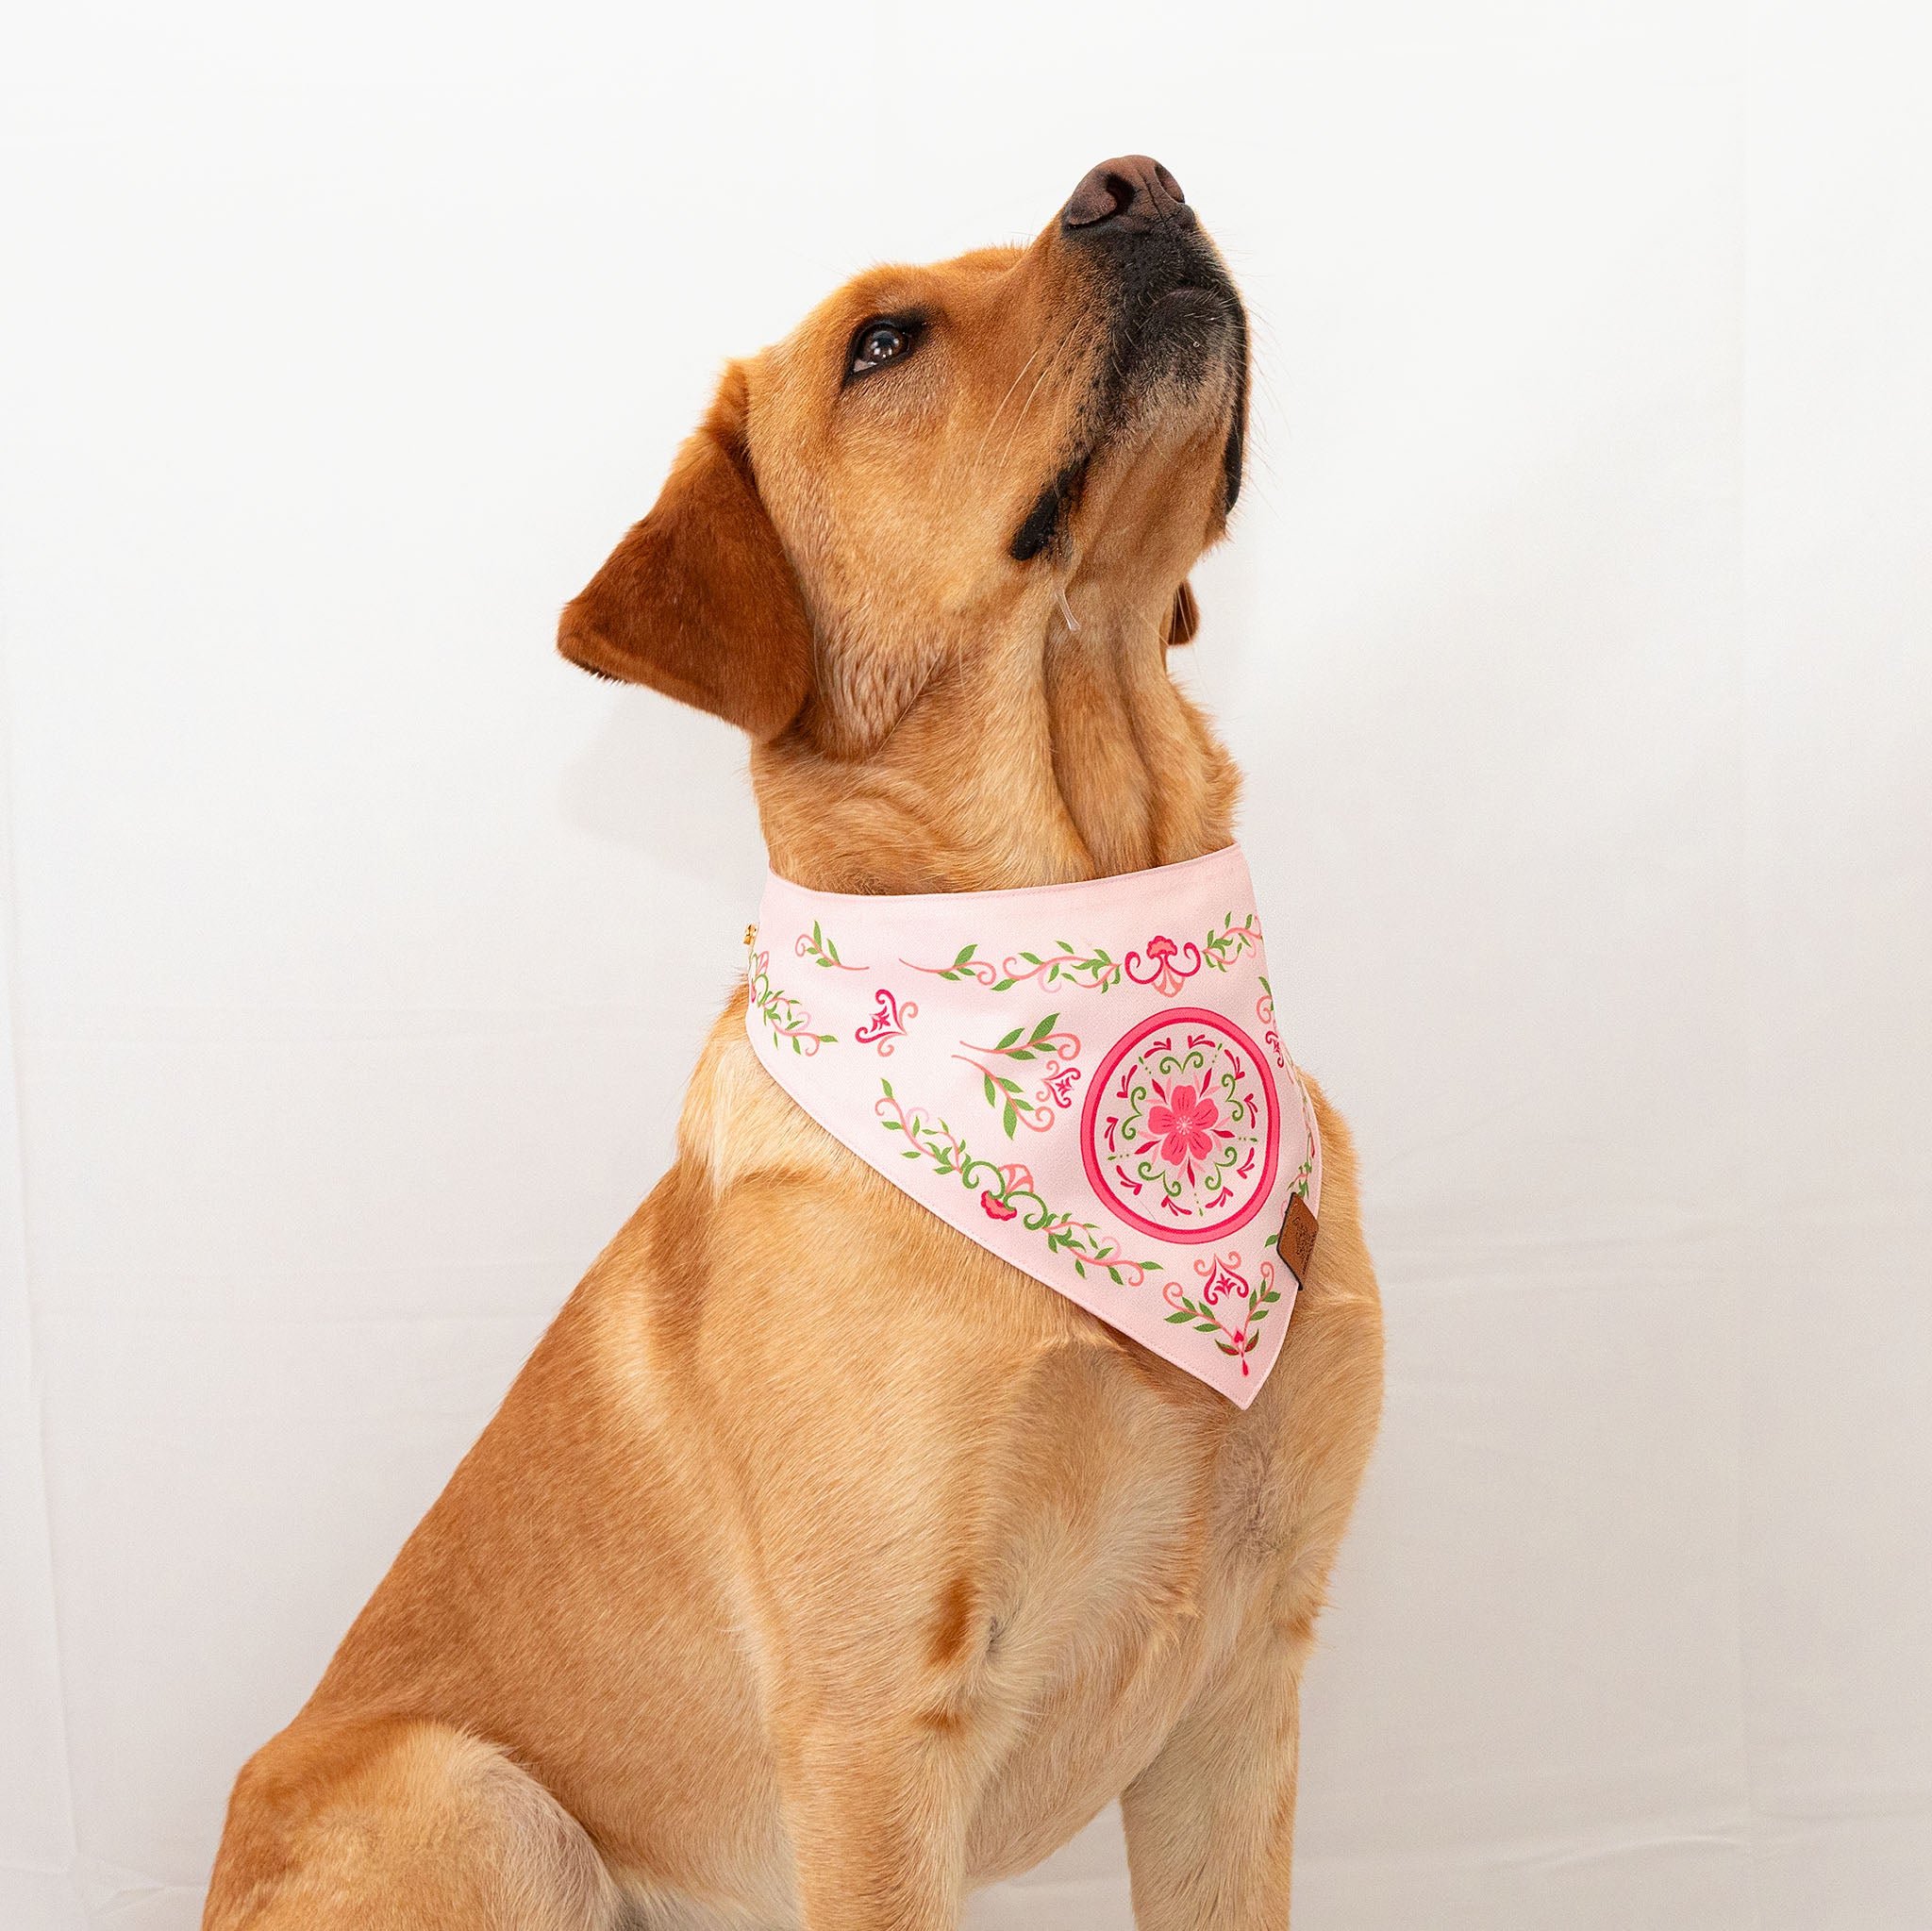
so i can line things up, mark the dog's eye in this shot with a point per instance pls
(877, 344)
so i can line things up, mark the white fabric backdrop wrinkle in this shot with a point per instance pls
(1575, 632)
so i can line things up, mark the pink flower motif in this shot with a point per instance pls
(997, 1209)
(1181, 1125)
(1164, 974)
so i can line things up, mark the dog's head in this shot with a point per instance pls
(937, 464)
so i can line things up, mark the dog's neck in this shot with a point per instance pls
(1040, 757)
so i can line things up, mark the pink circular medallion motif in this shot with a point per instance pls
(1180, 1133)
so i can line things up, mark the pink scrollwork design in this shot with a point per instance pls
(1060, 1085)
(1169, 966)
(886, 1023)
(1221, 1276)
(1264, 1012)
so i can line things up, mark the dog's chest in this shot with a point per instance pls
(1131, 1578)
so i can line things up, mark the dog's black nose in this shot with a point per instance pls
(1131, 192)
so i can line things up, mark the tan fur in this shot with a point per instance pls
(819, 1566)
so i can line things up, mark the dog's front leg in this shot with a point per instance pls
(877, 1821)
(1211, 1822)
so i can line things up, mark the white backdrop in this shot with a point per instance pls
(1574, 639)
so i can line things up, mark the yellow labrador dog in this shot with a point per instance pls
(718, 1624)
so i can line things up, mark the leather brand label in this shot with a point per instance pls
(1297, 1241)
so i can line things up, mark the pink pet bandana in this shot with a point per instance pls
(1086, 1079)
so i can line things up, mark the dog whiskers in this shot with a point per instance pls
(1053, 362)
(992, 419)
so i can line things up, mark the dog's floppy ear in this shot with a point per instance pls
(1185, 618)
(698, 600)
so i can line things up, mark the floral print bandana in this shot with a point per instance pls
(1086, 1079)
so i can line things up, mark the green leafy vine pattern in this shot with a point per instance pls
(815, 946)
(782, 1015)
(1161, 963)
(1007, 1095)
(1005, 1192)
